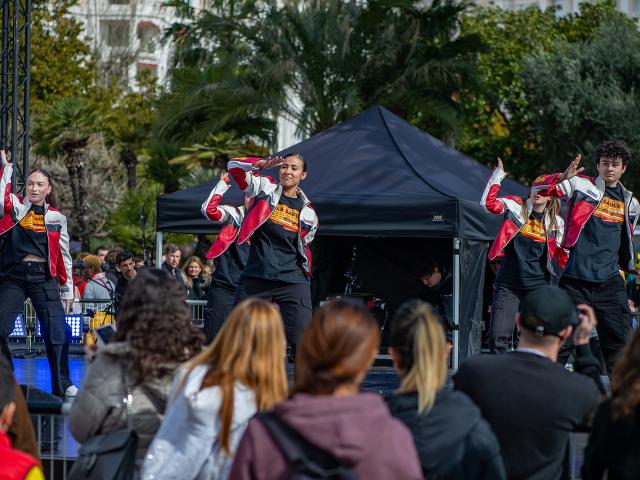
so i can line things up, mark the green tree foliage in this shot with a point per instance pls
(61, 62)
(128, 125)
(587, 92)
(498, 116)
(65, 130)
(333, 58)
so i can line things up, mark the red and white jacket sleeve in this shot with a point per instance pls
(66, 289)
(490, 200)
(550, 185)
(311, 233)
(213, 211)
(6, 173)
(248, 179)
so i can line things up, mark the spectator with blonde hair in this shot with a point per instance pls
(339, 428)
(213, 398)
(197, 285)
(452, 438)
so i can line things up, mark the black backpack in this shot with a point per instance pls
(306, 460)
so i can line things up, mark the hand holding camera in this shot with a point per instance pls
(587, 322)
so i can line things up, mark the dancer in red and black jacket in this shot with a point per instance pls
(230, 257)
(601, 217)
(281, 224)
(527, 242)
(35, 263)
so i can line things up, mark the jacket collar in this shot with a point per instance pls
(601, 186)
(305, 200)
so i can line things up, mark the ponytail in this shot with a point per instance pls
(419, 339)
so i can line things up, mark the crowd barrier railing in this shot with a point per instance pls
(57, 449)
(85, 318)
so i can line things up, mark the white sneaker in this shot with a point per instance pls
(72, 391)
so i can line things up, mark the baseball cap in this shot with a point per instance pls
(547, 311)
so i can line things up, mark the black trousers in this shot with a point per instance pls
(33, 280)
(505, 305)
(294, 300)
(220, 301)
(609, 300)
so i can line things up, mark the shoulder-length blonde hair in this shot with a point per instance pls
(418, 338)
(249, 349)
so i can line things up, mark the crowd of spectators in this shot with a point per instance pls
(227, 411)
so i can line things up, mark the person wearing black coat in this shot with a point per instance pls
(614, 443)
(532, 402)
(453, 441)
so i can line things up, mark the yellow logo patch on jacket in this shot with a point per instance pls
(33, 221)
(534, 229)
(610, 210)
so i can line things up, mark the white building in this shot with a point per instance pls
(630, 7)
(126, 35)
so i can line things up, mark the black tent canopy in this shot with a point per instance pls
(376, 175)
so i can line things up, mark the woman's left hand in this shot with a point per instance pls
(68, 305)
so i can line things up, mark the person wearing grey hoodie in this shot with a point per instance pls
(327, 410)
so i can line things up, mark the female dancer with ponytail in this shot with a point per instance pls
(281, 224)
(452, 438)
(35, 263)
(528, 241)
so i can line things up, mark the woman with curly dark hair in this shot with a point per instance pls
(154, 336)
(612, 451)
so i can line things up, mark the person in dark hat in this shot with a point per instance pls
(531, 402)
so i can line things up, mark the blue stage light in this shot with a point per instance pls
(75, 322)
(18, 329)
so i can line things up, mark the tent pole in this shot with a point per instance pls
(456, 304)
(158, 249)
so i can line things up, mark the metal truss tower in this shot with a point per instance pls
(15, 82)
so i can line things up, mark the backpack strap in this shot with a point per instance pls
(300, 453)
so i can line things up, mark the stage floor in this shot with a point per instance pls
(35, 371)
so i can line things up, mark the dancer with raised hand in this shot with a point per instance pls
(35, 263)
(230, 257)
(601, 217)
(281, 224)
(528, 240)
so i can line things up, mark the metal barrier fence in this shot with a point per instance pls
(85, 318)
(56, 447)
(197, 308)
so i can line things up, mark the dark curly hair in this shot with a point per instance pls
(155, 319)
(613, 149)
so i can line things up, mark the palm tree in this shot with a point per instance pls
(65, 130)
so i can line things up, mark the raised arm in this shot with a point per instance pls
(490, 200)
(211, 208)
(560, 184)
(245, 172)
(6, 173)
